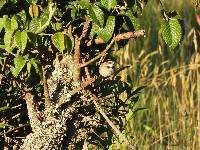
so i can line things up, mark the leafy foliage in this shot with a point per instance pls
(35, 33)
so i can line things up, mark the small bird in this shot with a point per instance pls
(106, 69)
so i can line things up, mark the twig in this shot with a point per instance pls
(116, 130)
(100, 55)
(14, 129)
(46, 90)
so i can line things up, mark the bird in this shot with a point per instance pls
(106, 69)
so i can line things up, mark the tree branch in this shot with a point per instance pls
(116, 130)
(119, 37)
(46, 90)
(100, 55)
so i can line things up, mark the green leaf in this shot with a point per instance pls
(132, 113)
(10, 24)
(106, 32)
(62, 42)
(85, 4)
(28, 65)
(7, 23)
(94, 30)
(4, 108)
(108, 4)
(8, 40)
(2, 2)
(19, 63)
(96, 14)
(21, 40)
(35, 62)
(1, 23)
(171, 32)
(14, 24)
(135, 22)
(21, 18)
(34, 25)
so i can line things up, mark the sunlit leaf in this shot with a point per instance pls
(1, 23)
(62, 42)
(8, 40)
(171, 32)
(106, 32)
(96, 14)
(21, 40)
(84, 4)
(14, 24)
(135, 22)
(19, 63)
(34, 25)
(108, 4)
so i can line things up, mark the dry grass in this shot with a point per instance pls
(172, 77)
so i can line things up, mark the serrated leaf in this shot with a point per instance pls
(96, 14)
(19, 63)
(21, 40)
(8, 40)
(135, 22)
(108, 4)
(34, 25)
(171, 32)
(106, 32)
(61, 42)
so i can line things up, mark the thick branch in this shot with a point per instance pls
(78, 89)
(77, 53)
(35, 116)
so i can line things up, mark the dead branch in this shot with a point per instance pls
(100, 55)
(116, 130)
(119, 37)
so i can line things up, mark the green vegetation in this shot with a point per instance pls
(172, 95)
(58, 89)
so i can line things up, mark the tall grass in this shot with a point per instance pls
(172, 96)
